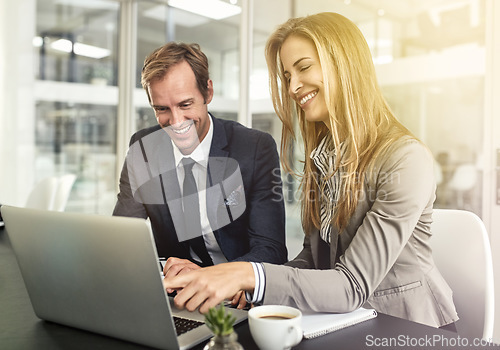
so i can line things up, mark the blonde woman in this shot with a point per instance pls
(367, 190)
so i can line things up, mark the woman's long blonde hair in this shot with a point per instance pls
(360, 118)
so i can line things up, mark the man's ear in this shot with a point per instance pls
(210, 92)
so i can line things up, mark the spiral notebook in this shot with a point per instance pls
(317, 324)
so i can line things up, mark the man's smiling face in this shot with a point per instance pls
(180, 108)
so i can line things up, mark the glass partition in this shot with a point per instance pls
(78, 139)
(76, 41)
(448, 116)
(76, 97)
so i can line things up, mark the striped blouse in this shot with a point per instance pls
(324, 157)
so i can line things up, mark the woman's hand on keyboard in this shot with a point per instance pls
(207, 287)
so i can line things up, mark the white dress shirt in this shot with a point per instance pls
(200, 155)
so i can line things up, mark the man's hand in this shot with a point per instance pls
(208, 287)
(176, 266)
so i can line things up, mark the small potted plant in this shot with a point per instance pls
(220, 321)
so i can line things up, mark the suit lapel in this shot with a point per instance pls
(217, 162)
(218, 155)
(160, 156)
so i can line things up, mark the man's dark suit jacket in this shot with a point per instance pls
(258, 234)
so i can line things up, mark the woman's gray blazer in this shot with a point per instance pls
(384, 259)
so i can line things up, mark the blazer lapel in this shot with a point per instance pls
(323, 254)
(316, 250)
(334, 240)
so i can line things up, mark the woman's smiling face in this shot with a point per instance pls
(305, 77)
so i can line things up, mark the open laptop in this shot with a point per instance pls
(100, 274)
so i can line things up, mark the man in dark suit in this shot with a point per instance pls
(238, 211)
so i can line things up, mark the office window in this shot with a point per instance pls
(76, 41)
(76, 96)
(448, 116)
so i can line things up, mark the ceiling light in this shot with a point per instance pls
(91, 51)
(180, 17)
(214, 9)
(63, 45)
(37, 41)
(89, 4)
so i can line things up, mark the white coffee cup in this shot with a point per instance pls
(275, 327)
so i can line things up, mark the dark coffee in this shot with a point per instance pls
(277, 317)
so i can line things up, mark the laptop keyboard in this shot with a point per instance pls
(183, 325)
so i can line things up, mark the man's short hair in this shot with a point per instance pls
(157, 64)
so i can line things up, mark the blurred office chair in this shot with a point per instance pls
(43, 194)
(63, 191)
(464, 179)
(462, 252)
(51, 193)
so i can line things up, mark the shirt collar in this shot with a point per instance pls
(201, 152)
(323, 155)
